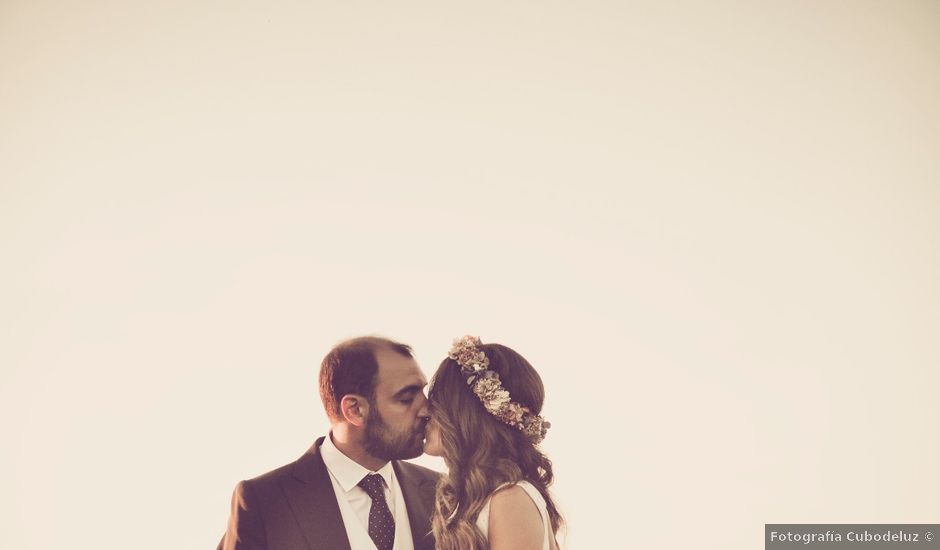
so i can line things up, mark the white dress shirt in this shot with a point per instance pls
(355, 503)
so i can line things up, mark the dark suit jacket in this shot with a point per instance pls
(294, 507)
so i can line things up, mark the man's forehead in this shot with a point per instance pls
(397, 371)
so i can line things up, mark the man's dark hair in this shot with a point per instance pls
(350, 367)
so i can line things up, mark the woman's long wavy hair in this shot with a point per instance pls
(481, 452)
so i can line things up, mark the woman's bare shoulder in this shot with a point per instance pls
(515, 521)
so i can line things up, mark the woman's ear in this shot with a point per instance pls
(355, 409)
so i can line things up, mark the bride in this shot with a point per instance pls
(485, 401)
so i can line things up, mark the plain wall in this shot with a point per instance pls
(712, 226)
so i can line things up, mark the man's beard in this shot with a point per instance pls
(380, 444)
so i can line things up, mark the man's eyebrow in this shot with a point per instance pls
(413, 388)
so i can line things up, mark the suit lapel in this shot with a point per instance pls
(313, 501)
(419, 498)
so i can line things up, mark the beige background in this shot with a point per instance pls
(713, 227)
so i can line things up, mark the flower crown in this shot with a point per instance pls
(485, 383)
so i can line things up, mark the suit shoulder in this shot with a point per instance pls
(276, 473)
(272, 477)
(308, 464)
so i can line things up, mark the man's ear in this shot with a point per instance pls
(355, 409)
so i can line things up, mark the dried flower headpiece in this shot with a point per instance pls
(474, 364)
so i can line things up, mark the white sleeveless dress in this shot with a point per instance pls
(483, 521)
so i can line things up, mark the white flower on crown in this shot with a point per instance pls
(492, 394)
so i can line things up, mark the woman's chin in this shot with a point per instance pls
(431, 450)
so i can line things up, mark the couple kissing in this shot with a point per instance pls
(352, 489)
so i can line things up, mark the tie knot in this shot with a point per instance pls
(374, 485)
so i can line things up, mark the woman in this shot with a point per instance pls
(485, 401)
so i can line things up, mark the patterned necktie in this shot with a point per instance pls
(381, 522)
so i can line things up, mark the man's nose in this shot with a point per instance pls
(425, 410)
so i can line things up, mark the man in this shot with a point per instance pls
(349, 491)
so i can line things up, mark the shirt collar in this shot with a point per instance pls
(347, 471)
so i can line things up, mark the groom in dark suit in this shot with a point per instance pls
(350, 491)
